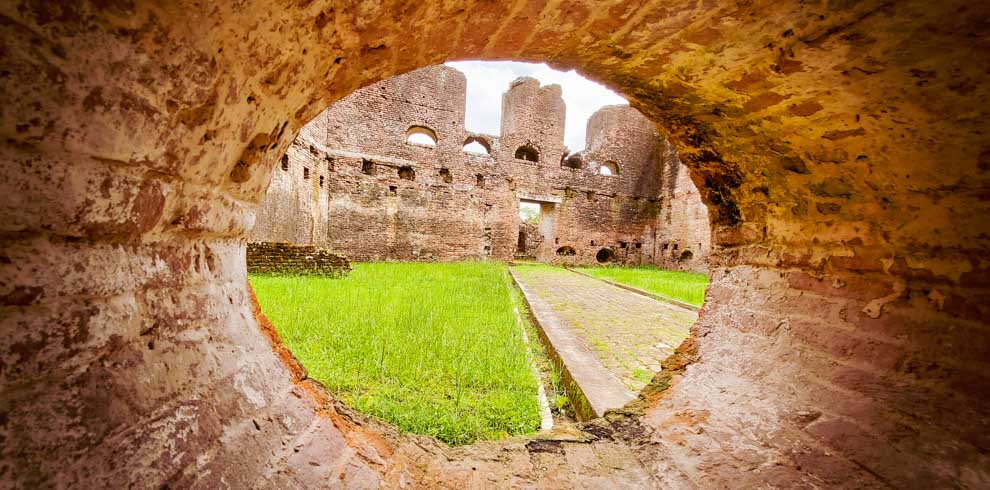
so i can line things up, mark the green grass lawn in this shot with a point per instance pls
(688, 287)
(431, 348)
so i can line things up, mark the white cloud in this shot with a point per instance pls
(488, 80)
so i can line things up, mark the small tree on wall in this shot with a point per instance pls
(529, 214)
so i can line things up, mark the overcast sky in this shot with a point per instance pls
(488, 80)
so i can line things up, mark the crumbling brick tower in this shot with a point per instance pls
(841, 149)
(532, 122)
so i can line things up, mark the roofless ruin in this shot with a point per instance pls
(386, 174)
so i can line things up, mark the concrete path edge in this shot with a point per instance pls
(577, 374)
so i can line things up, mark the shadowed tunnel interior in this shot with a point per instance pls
(840, 146)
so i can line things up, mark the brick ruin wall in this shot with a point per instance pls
(684, 236)
(286, 258)
(352, 182)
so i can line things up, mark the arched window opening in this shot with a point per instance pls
(407, 173)
(573, 161)
(421, 135)
(477, 146)
(285, 163)
(480, 181)
(687, 255)
(446, 176)
(608, 169)
(527, 153)
(305, 173)
(566, 251)
(605, 255)
(321, 181)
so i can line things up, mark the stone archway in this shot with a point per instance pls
(841, 149)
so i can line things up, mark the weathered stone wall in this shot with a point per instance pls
(392, 199)
(840, 146)
(296, 204)
(286, 258)
(683, 235)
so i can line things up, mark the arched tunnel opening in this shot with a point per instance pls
(304, 230)
(841, 152)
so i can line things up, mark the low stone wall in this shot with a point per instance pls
(285, 258)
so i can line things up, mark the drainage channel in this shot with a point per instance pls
(546, 417)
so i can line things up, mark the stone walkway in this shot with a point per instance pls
(629, 334)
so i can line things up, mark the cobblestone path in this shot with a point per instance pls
(630, 334)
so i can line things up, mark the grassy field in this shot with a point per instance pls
(688, 287)
(431, 348)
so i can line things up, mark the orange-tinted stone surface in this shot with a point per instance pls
(843, 342)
